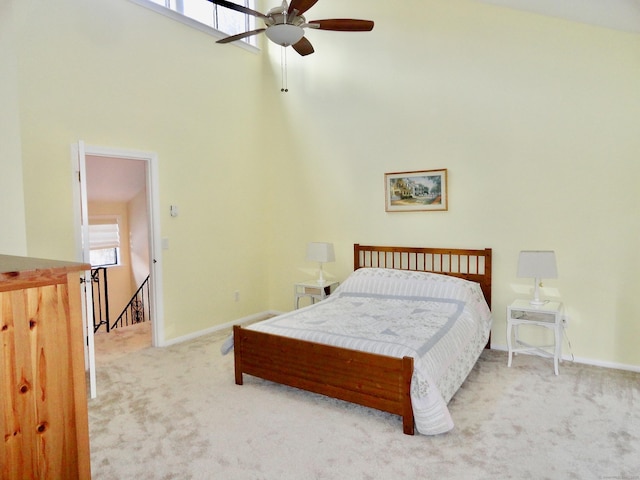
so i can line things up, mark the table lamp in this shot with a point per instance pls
(320, 252)
(537, 264)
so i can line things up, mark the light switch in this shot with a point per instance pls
(173, 210)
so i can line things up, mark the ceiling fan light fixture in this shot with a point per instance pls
(284, 25)
(284, 34)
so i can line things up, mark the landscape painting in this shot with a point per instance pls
(416, 191)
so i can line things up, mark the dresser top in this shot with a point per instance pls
(10, 264)
(25, 270)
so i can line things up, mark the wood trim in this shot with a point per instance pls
(367, 379)
(25, 272)
(76, 349)
(43, 393)
(332, 371)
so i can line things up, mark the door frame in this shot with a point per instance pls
(153, 203)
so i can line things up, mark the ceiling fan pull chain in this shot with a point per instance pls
(283, 66)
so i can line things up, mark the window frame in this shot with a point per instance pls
(167, 12)
(116, 251)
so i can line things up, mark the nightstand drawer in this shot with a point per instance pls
(313, 290)
(533, 316)
(546, 315)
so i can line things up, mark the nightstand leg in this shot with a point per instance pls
(509, 344)
(558, 349)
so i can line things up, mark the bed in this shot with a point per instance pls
(382, 364)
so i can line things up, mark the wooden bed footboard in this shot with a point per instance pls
(327, 370)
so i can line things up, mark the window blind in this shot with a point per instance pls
(104, 235)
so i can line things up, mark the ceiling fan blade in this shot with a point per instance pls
(300, 6)
(239, 8)
(303, 47)
(343, 25)
(240, 36)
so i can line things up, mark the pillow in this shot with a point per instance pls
(405, 283)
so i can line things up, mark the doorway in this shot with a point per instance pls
(119, 252)
(121, 187)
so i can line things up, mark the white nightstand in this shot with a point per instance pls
(549, 315)
(313, 290)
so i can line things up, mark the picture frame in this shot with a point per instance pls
(422, 190)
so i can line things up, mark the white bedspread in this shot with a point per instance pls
(442, 322)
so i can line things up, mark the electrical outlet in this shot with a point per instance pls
(236, 295)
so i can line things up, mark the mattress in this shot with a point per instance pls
(443, 322)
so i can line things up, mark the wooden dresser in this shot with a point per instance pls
(43, 397)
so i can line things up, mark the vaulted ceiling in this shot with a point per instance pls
(120, 180)
(621, 15)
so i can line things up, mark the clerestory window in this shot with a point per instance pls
(202, 13)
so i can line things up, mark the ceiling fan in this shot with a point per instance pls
(284, 25)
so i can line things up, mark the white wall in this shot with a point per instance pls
(13, 238)
(534, 118)
(139, 238)
(121, 76)
(536, 121)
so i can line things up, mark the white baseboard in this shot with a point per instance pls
(258, 316)
(217, 328)
(586, 361)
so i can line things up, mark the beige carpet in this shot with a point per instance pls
(120, 342)
(175, 413)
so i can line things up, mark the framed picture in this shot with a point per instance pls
(416, 191)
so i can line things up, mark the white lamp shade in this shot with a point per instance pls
(320, 252)
(537, 264)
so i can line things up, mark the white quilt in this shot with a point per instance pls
(442, 322)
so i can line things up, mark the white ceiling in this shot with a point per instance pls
(114, 179)
(621, 15)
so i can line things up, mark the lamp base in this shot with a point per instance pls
(320, 275)
(537, 302)
(536, 294)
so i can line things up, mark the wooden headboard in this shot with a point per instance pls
(473, 265)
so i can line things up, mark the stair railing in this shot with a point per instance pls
(100, 289)
(137, 310)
